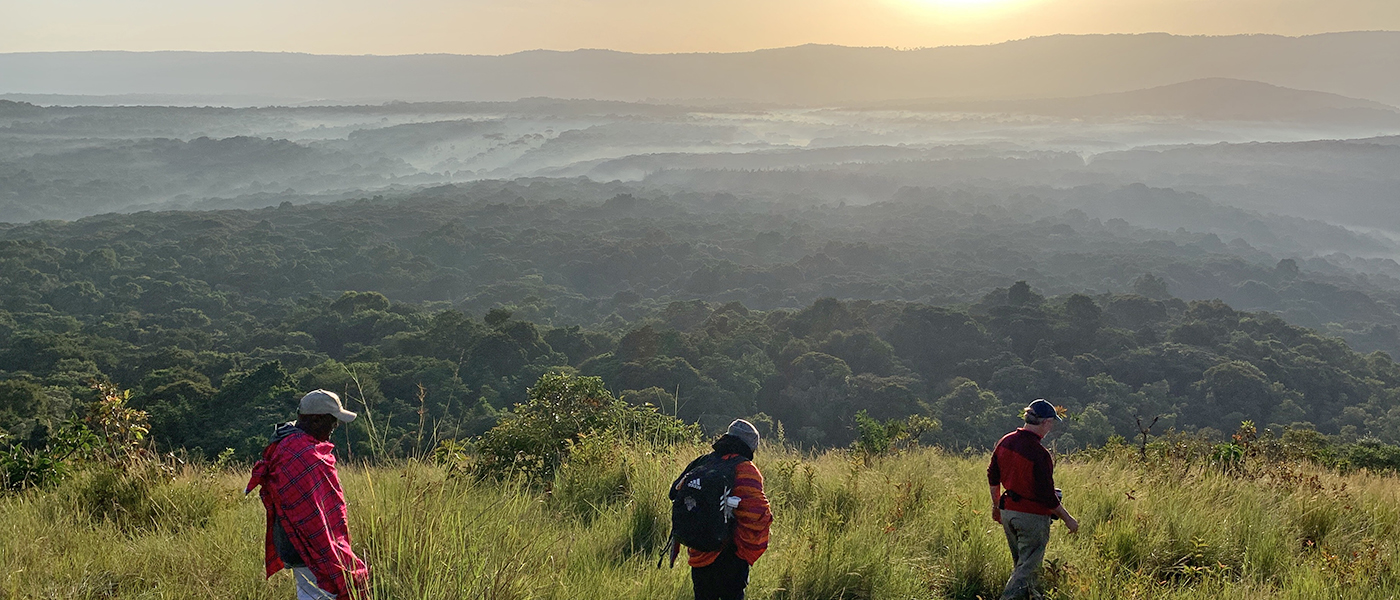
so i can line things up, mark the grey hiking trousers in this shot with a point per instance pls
(1027, 534)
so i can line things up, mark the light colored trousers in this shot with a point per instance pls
(306, 585)
(1027, 534)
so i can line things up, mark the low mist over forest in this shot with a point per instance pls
(1197, 230)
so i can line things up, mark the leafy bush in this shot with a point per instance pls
(453, 455)
(120, 430)
(110, 494)
(561, 411)
(144, 497)
(113, 433)
(875, 438)
(595, 476)
(1371, 455)
(22, 468)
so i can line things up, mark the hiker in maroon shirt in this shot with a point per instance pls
(1022, 479)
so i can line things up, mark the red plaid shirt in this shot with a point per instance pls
(300, 486)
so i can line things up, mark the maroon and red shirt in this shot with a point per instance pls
(1026, 472)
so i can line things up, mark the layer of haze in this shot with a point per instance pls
(505, 26)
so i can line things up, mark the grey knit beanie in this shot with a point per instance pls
(745, 431)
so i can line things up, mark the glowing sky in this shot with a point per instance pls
(504, 26)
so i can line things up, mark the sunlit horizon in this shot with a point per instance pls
(490, 27)
(970, 9)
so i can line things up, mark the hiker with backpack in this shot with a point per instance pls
(719, 513)
(307, 528)
(1029, 500)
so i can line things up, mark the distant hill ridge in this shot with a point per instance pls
(1356, 65)
(1215, 98)
(1220, 97)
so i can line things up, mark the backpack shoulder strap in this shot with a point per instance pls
(732, 466)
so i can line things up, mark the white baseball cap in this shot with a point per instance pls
(322, 402)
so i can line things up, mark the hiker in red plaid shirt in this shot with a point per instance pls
(307, 528)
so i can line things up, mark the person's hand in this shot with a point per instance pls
(996, 514)
(1072, 524)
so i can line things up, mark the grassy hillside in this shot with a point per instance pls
(914, 525)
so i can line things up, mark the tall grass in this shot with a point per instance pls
(914, 525)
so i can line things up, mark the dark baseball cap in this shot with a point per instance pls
(1044, 410)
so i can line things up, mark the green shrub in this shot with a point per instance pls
(113, 434)
(1370, 454)
(120, 430)
(874, 438)
(105, 493)
(22, 468)
(594, 478)
(142, 499)
(790, 485)
(561, 410)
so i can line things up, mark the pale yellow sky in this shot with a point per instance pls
(505, 26)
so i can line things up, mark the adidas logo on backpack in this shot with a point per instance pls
(700, 516)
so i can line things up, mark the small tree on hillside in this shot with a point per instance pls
(120, 430)
(561, 410)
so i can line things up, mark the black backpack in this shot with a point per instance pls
(698, 516)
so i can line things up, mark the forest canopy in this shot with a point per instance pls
(457, 304)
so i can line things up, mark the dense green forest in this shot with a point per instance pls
(707, 307)
(577, 252)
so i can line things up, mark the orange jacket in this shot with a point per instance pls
(752, 518)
